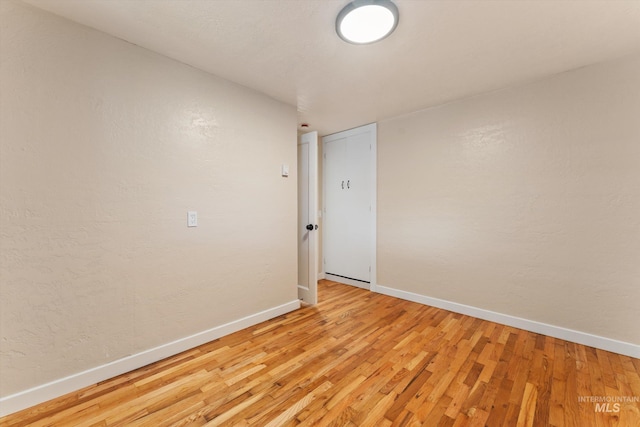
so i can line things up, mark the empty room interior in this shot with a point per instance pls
(319, 212)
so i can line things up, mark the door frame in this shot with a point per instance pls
(373, 128)
(310, 294)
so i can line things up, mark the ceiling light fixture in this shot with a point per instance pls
(367, 21)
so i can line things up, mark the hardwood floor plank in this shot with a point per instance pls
(292, 410)
(361, 359)
(528, 406)
(458, 393)
(558, 387)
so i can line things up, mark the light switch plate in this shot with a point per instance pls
(192, 219)
(285, 170)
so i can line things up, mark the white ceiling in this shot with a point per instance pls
(442, 49)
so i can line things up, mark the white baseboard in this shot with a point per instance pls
(357, 283)
(620, 347)
(25, 399)
(321, 276)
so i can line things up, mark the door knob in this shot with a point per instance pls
(310, 227)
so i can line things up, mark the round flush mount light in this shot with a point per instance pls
(367, 21)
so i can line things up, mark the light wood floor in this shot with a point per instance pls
(362, 359)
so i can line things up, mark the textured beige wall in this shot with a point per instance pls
(104, 148)
(524, 201)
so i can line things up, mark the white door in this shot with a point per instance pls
(335, 207)
(349, 206)
(308, 218)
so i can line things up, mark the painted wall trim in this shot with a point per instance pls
(33, 396)
(620, 347)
